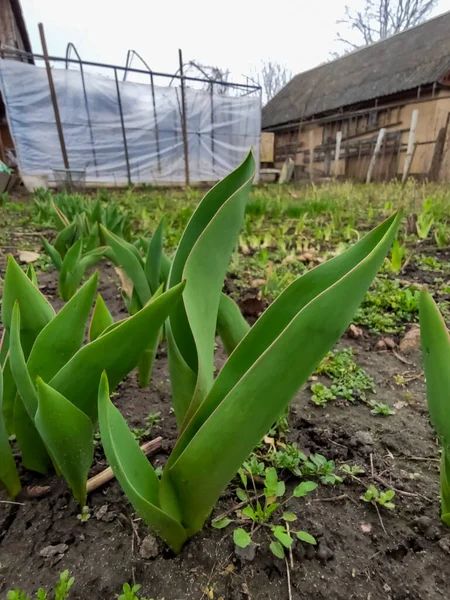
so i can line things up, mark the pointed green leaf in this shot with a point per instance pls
(118, 352)
(231, 325)
(91, 258)
(36, 312)
(34, 454)
(64, 240)
(305, 487)
(9, 397)
(202, 259)
(134, 472)
(258, 380)
(282, 536)
(221, 523)
(69, 436)
(64, 335)
(71, 272)
(131, 262)
(9, 476)
(436, 357)
(153, 260)
(53, 253)
(306, 537)
(61, 220)
(445, 487)
(101, 319)
(31, 274)
(277, 549)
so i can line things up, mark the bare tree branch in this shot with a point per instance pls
(380, 19)
(272, 77)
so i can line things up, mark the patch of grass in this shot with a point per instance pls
(388, 306)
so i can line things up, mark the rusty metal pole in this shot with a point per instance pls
(124, 133)
(51, 85)
(183, 121)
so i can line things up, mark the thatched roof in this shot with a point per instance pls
(409, 59)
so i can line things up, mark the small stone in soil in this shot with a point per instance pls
(324, 552)
(432, 533)
(149, 547)
(390, 344)
(411, 340)
(444, 543)
(49, 551)
(247, 553)
(423, 523)
(381, 345)
(310, 551)
(361, 438)
(299, 551)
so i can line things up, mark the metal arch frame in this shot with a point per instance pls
(130, 55)
(69, 48)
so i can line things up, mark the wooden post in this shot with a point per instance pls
(411, 140)
(183, 122)
(337, 152)
(51, 85)
(375, 154)
(122, 123)
(311, 154)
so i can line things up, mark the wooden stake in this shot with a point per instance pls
(106, 475)
(311, 154)
(376, 151)
(411, 144)
(337, 153)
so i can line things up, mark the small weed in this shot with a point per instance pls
(379, 408)
(61, 591)
(388, 305)
(322, 468)
(130, 593)
(260, 514)
(351, 471)
(85, 514)
(349, 380)
(374, 496)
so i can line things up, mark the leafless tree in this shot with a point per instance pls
(272, 77)
(379, 19)
(213, 74)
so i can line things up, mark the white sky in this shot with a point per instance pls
(236, 34)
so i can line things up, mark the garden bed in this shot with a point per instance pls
(363, 552)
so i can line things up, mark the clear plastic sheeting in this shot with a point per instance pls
(220, 128)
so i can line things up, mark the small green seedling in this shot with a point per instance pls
(61, 590)
(130, 593)
(321, 394)
(352, 471)
(322, 468)
(374, 496)
(84, 515)
(379, 408)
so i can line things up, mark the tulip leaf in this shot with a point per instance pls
(231, 325)
(134, 472)
(36, 311)
(131, 263)
(257, 388)
(154, 256)
(65, 239)
(71, 272)
(202, 259)
(101, 319)
(9, 476)
(64, 335)
(118, 352)
(69, 436)
(34, 454)
(435, 342)
(53, 253)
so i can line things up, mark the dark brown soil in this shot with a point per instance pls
(360, 556)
